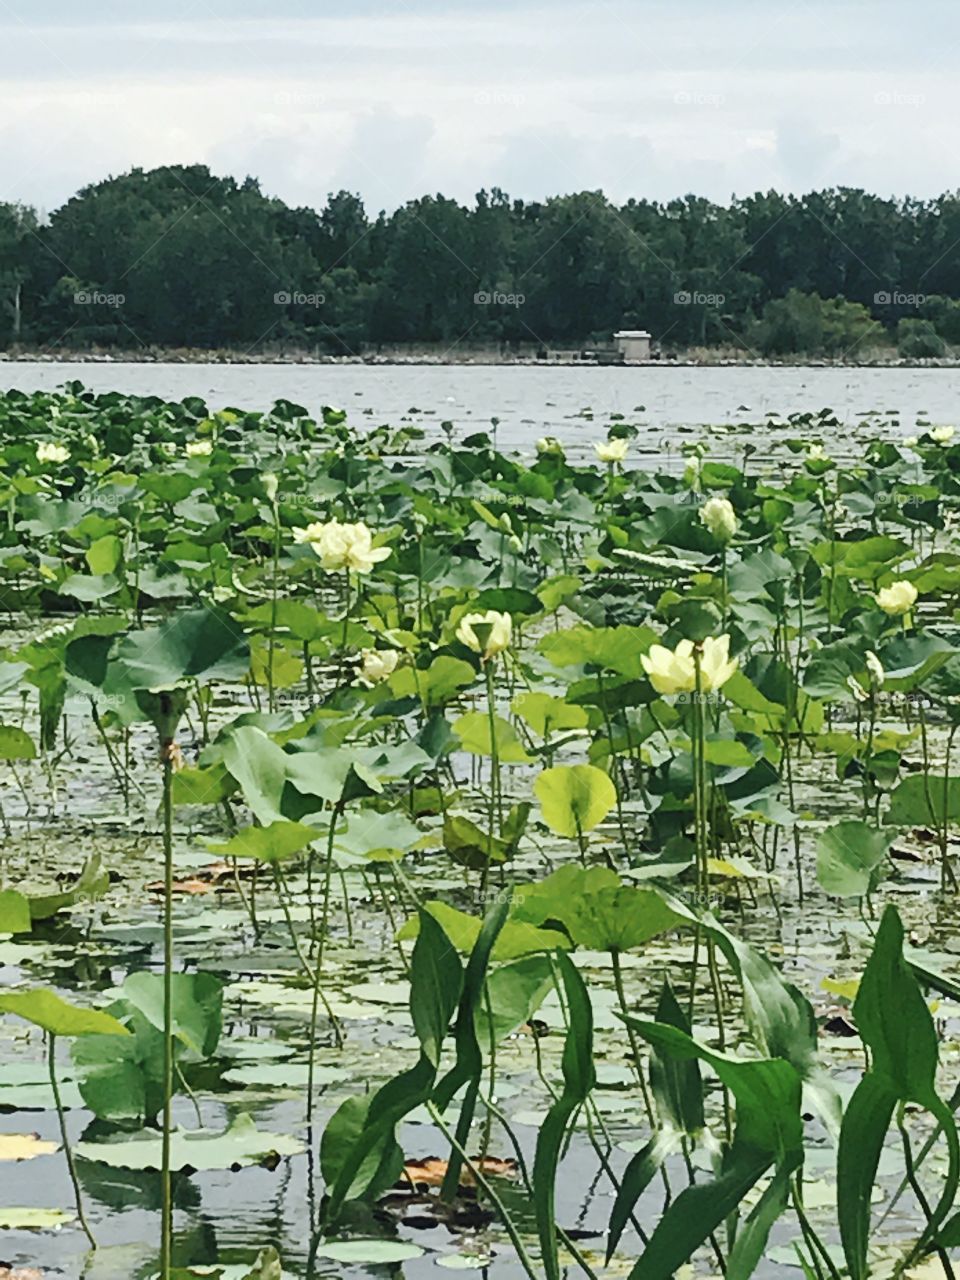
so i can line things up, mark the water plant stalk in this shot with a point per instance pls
(166, 1197)
(65, 1138)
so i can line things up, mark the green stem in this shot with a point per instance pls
(64, 1138)
(496, 803)
(166, 1206)
(632, 1035)
(271, 640)
(522, 1256)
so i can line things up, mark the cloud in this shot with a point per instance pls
(395, 100)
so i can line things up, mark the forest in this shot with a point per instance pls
(177, 257)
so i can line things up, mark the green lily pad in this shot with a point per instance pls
(375, 1252)
(28, 1219)
(240, 1145)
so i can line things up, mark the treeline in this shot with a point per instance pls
(177, 257)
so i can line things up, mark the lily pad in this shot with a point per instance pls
(240, 1145)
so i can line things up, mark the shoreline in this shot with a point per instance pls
(483, 359)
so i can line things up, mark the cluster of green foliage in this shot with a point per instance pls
(636, 664)
(200, 261)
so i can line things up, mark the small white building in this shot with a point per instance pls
(633, 344)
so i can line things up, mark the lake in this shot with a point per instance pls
(531, 401)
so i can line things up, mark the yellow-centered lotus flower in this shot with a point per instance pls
(897, 599)
(48, 452)
(720, 519)
(377, 664)
(494, 635)
(942, 435)
(611, 450)
(675, 671)
(342, 546)
(198, 448)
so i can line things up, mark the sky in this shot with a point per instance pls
(394, 99)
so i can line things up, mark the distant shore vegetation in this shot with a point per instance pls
(177, 258)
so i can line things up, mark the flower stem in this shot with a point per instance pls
(64, 1137)
(166, 1205)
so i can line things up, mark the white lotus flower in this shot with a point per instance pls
(720, 519)
(611, 450)
(496, 631)
(897, 599)
(342, 546)
(674, 670)
(377, 664)
(48, 452)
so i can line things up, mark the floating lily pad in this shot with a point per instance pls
(240, 1145)
(24, 1146)
(27, 1219)
(284, 1075)
(375, 1252)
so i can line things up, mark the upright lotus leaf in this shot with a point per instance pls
(473, 730)
(16, 743)
(909, 660)
(56, 1016)
(516, 938)
(515, 991)
(546, 714)
(14, 912)
(895, 1023)
(273, 843)
(259, 766)
(597, 910)
(437, 684)
(372, 836)
(579, 1078)
(924, 799)
(91, 884)
(197, 1006)
(122, 1080)
(828, 672)
(574, 798)
(864, 558)
(614, 648)
(164, 708)
(469, 844)
(198, 644)
(849, 856)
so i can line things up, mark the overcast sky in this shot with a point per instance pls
(397, 98)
